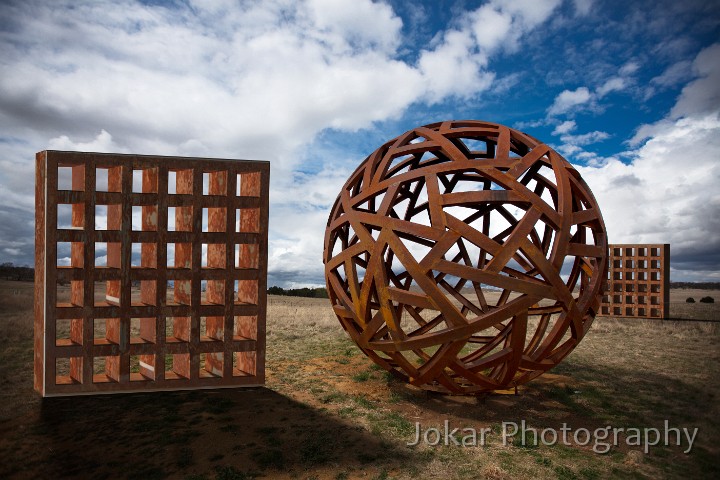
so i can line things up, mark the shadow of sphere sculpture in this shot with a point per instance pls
(465, 257)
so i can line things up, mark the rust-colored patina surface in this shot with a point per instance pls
(190, 232)
(638, 281)
(465, 257)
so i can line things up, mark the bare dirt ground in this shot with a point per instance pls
(327, 412)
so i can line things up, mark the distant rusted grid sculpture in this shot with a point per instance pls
(183, 223)
(638, 282)
(444, 251)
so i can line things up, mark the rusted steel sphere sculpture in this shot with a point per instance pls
(465, 256)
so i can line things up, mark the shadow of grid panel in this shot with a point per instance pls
(191, 233)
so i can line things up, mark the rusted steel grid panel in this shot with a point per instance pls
(638, 281)
(189, 232)
(465, 257)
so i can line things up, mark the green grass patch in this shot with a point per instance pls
(363, 376)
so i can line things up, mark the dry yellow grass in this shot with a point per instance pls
(327, 412)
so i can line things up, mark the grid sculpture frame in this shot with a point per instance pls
(638, 282)
(206, 227)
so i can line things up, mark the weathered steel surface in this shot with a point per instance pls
(444, 253)
(638, 281)
(203, 334)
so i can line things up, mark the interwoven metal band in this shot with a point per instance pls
(465, 256)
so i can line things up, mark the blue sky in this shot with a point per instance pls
(629, 92)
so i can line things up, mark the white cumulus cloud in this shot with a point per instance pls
(668, 192)
(567, 100)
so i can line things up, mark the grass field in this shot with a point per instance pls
(328, 413)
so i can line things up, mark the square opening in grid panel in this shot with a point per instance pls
(248, 184)
(106, 331)
(247, 255)
(172, 183)
(247, 220)
(107, 293)
(215, 183)
(617, 252)
(181, 292)
(245, 327)
(171, 221)
(150, 185)
(70, 294)
(244, 364)
(180, 182)
(212, 329)
(214, 219)
(213, 255)
(179, 255)
(65, 219)
(68, 370)
(211, 365)
(142, 330)
(214, 292)
(106, 369)
(642, 288)
(65, 177)
(247, 292)
(180, 219)
(137, 181)
(654, 288)
(64, 253)
(101, 179)
(145, 218)
(148, 294)
(177, 329)
(177, 366)
(68, 332)
(654, 252)
(144, 255)
(108, 217)
(142, 368)
(107, 254)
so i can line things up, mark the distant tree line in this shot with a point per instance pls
(8, 271)
(696, 285)
(299, 292)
